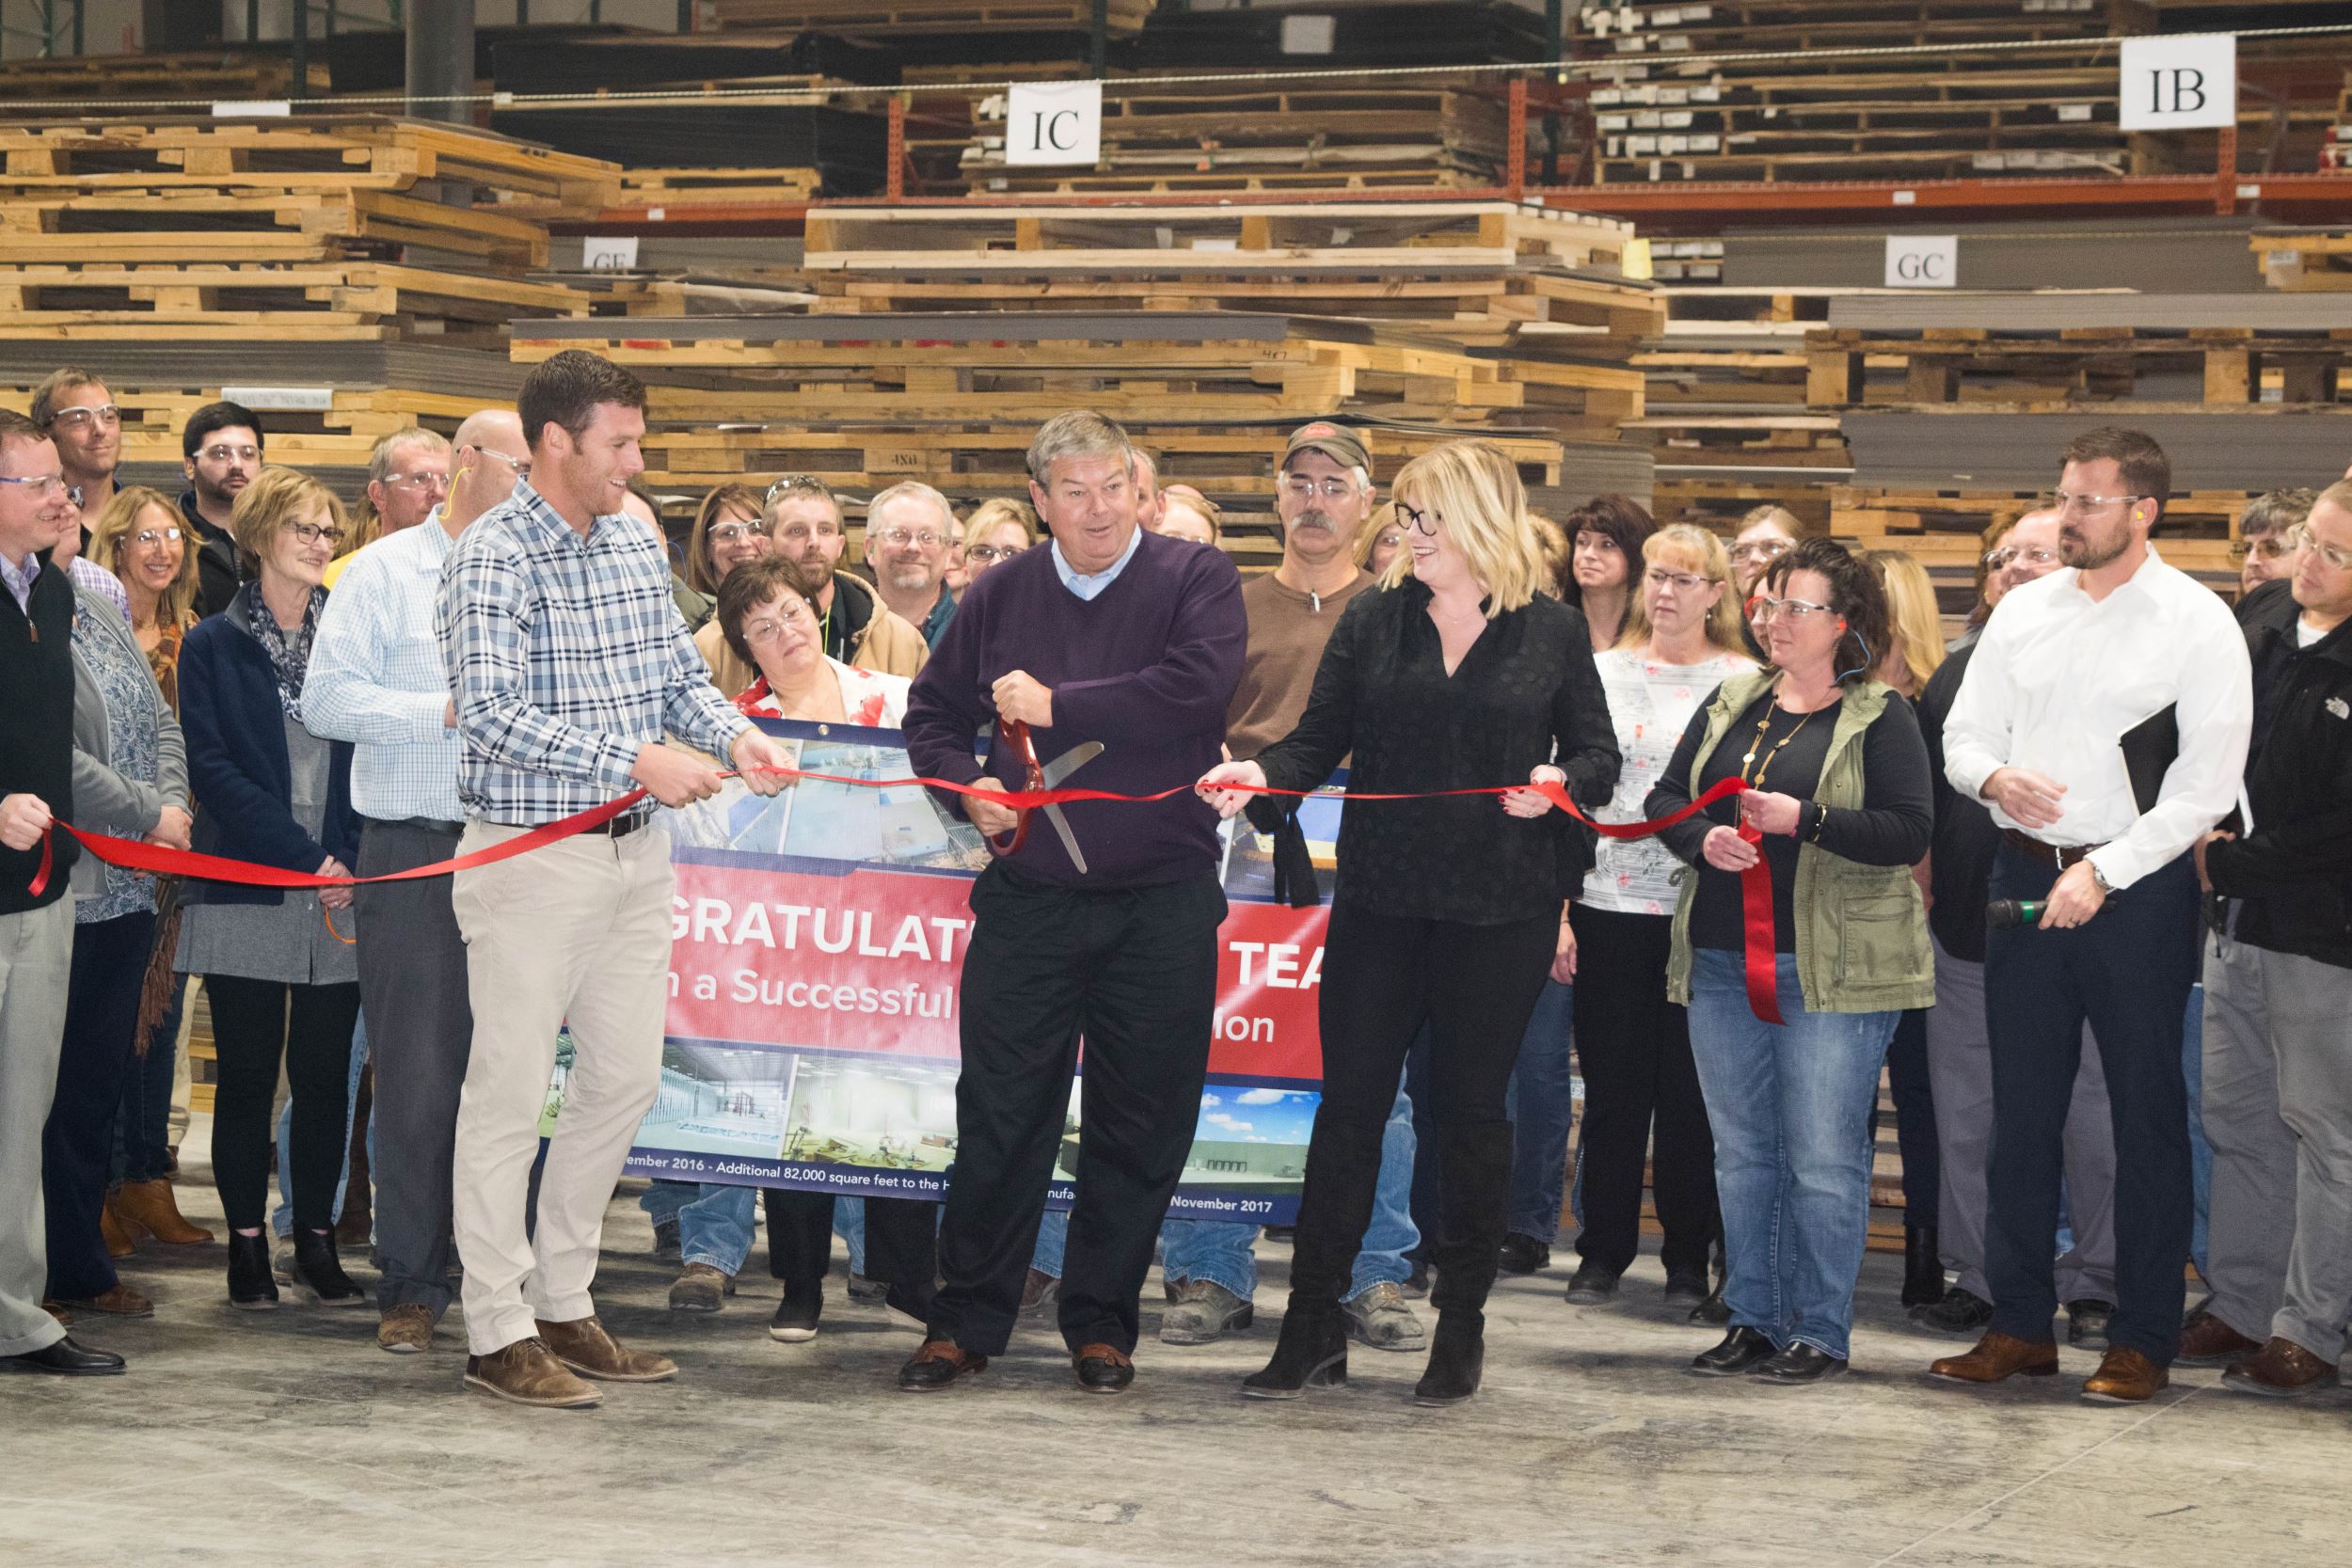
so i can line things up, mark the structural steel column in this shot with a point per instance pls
(440, 59)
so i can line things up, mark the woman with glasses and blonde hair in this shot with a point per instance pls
(1455, 672)
(1683, 641)
(1836, 798)
(282, 981)
(996, 531)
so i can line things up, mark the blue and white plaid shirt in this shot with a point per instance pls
(376, 679)
(566, 656)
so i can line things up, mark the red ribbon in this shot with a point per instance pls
(1755, 883)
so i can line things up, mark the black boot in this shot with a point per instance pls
(1311, 1353)
(1923, 1267)
(1456, 1357)
(318, 1270)
(250, 1284)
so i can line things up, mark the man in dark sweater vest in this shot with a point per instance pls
(36, 927)
(1133, 641)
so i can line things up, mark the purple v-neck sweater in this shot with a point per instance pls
(1147, 667)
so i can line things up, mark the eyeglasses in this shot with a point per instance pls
(2001, 560)
(1599, 543)
(223, 453)
(78, 419)
(2335, 556)
(1423, 523)
(734, 534)
(156, 537)
(2270, 546)
(427, 481)
(805, 484)
(41, 486)
(520, 464)
(1305, 488)
(2060, 500)
(1798, 610)
(1759, 550)
(310, 533)
(1681, 582)
(991, 554)
(898, 538)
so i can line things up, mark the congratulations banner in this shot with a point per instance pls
(816, 973)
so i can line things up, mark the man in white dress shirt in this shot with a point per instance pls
(2103, 718)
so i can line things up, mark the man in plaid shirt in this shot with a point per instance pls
(568, 664)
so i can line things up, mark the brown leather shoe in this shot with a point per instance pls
(2283, 1369)
(938, 1364)
(406, 1329)
(1103, 1369)
(2125, 1377)
(2207, 1341)
(111, 1231)
(525, 1372)
(584, 1346)
(1998, 1356)
(147, 1206)
(119, 1301)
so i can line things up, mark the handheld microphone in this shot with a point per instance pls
(2003, 914)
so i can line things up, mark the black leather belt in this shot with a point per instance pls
(2060, 855)
(422, 824)
(620, 827)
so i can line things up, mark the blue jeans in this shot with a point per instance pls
(1053, 1235)
(143, 1120)
(1219, 1252)
(1790, 1105)
(715, 1222)
(281, 1216)
(1542, 1106)
(2200, 1151)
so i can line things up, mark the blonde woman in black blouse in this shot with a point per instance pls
(1454, 674)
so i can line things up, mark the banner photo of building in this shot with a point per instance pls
(814, 985)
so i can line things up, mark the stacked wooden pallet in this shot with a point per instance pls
(1422, 132)
(658, 190)
(322, 227)
(891, 18)
(26, 85)
(2337, 153)
(1482, 272)
(2306, 259)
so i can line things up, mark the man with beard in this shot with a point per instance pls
(221, 447)
(804, 518)
(2104, 719)
(909, 528)
(1323, 494)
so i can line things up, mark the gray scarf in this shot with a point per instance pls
(288, 653)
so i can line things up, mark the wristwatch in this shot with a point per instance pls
(2098, 876)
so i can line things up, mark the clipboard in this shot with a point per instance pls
(2149, 747)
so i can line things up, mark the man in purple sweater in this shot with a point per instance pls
(1135, 640)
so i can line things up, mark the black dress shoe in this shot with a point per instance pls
(1743, 1348)
(1960, 1312)
(1417, 1283)
(1103, 1369)
(1522, 1255)
(64, 1358)
(1592, 1285)
(318, 1270)
(1311, 1353)
(938, 1364)
(1714, 1312)
(252, 1285)
(2087, 1322)
(1686, 1289)
(1923, 1266)
(1457, 1360)
(1799, 1363)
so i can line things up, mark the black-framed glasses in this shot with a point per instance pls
(1423, 523)
(989, 555)
(1681, 582)
(310, 533)
(2270, 546)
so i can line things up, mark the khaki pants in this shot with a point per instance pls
(36, 962)
(576, 932)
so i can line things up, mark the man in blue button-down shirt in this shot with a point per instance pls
(377, 680)
(568, 664)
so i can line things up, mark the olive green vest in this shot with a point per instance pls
(1862, 931)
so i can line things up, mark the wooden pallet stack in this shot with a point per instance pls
(866, 400)
(1423, 132)
(2305, 260)
(1954, 408)
(2337, 153)
(343, 227)
(27, 85)
(892, 18)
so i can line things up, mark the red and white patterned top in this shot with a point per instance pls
(869, 699)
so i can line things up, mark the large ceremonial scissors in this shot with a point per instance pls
(1014, 738)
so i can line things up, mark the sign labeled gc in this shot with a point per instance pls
(2183, 82)
(1053, 123)
(1922, 261)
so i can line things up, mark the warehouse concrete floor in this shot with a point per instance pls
(286, 1437)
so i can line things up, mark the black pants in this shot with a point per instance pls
(1914, 1120)
(1634, 1047)
(102, 1011)
(1382, 976)
(2128, 972)
(412, 975)
(254, 1023)
(1132, 970)
(901, 1238)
